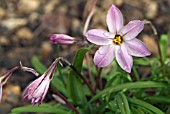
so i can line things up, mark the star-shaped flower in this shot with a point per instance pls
(119, 42)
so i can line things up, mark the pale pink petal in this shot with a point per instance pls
(104, 55)
(31, 88)
(99, 37)
(132, 29)
(137, 48)
(0, 93)
(123, 58)
(42, 89)
(114, 19)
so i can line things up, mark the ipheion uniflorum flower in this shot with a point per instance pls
(120, 42)
(37, 90)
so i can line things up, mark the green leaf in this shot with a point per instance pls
(164, 46)
(125, 103)
(133, 85)
(122, 103)
(159, 99)
(75, 87)
(44, 108)
(38, 65)
(142, 61)
(145, 105)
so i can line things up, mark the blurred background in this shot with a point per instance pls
(25, 26)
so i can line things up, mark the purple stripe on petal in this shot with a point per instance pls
(123, 58)
(104, 55)
(99, 37)
(137, 48)
(114, 19)
(132, 29)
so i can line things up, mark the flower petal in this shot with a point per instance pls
(114, 19)
(132, 29)
(123, 58)
(41, 91)
(0, 93)
(137, 48)
(104, 55)
(31, 88)
(99, 37)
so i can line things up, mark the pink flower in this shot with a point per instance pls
(37, 90)
(61, 39)
(3, 80)
(119, 42)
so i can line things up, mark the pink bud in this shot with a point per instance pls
(61, 39)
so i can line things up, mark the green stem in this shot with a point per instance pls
(66, 101)
(99, 80)
(80, 75)
(136, 73)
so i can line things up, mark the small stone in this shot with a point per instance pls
(76, 26)
(33, 16)
(46, 48)
(150, 44)
(11, 93)
(27, 6)
(49, 7)
(24, 34)
(4, 41)
(151, 9)
(106, 5)
(13, 23)
(2, 13)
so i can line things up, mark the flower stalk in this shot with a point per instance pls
(99, 79)
(79, 74)
(158, 44)
(66, 101)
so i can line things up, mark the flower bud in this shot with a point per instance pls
(61, 39)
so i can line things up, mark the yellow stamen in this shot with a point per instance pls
(117, 40)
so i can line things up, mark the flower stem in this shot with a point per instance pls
(66, 101)
(79, 74)
(15, 68)
(99, 80)
(158, 44)
(85, 81)
(89, 70)
(89, 16)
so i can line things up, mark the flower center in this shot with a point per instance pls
(118, 40)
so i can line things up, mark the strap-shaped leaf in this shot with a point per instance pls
(164, 46)
(133, 85)
(122, 103)
(75, 87)
(44, 108)
(145, 105)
